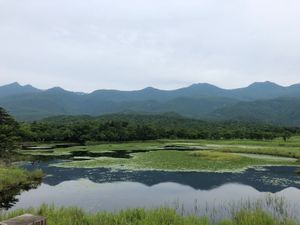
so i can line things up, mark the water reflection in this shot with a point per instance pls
(121, 195)
(105, 189)
(270, 179)
(8, 197)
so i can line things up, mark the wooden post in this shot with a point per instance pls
(26, 219)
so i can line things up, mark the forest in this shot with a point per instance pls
(132, 127)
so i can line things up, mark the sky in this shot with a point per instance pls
(85, 45)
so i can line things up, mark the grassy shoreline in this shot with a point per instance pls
(15, 180)
(158, 216)
(11, 177)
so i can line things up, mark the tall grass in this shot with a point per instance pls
(76, 216)
(11, 177)
(159, 216)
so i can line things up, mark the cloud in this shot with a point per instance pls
(130, 44)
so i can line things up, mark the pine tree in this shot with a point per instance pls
(8, 135)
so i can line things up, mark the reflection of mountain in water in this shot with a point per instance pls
(272, 179)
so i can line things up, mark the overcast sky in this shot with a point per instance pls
(130, 44)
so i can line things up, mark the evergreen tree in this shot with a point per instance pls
(8, 135)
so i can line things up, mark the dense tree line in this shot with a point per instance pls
(129, 127)
(126, 127)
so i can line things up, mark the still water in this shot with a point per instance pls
(111, 190)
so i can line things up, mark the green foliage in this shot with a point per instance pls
(159, 216)
(76, 216)
(13, 181)
(13, 177)
(129, 127)
(5, 118)
(8, 135)
(258, 217)
(286, 135)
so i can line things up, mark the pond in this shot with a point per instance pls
(112, 190)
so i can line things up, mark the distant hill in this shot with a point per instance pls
(260, 101)
(280, 111)
(16, 89)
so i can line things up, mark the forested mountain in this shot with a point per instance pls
(266, 102)
(280, 111)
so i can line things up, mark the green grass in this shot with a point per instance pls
(11, 177)
(159, 216)
(275, 151)
(216, 156)
(256, 217)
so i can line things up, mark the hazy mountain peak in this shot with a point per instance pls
(15, 88)
(56, 89)
(295, 86)
(203, 85)
(14, 84)
(265, 84)
(27, 86)
(18, 85)
(150, 89)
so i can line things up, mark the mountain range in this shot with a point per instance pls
(259, 102)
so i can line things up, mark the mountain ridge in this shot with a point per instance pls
(201, 101)
(150, 88)
(15, 89)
